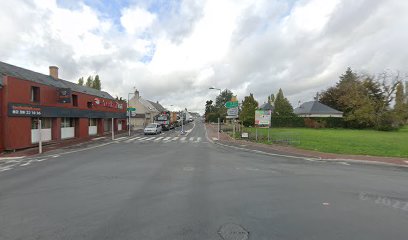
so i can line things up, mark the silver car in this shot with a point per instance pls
(153, 128)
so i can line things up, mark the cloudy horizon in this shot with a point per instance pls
(173, 51)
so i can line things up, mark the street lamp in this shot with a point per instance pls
(213, 88)
(128, 105)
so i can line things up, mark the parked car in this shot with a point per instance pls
(153, 128)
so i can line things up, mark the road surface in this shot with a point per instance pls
(185, 187)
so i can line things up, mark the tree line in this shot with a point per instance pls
(367, 101)
(92, 82)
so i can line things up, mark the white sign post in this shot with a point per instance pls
(113, 130)
(40, 137)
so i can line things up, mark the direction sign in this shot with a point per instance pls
(232, 111)
(131, 109)
(231, 104)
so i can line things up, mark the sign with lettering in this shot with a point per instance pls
(23, 110)
(64, 95)
(263, 118)
(108, 103)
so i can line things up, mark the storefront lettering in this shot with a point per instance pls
(109, 104)
(25, 111)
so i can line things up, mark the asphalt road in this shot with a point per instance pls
(190, 188)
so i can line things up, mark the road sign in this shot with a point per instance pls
(131, 109)
(263, 118)
(232, 111)
(231, 104)
(231, 117)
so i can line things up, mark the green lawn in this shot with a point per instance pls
(345, 141)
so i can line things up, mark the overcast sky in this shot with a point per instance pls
(172, 51)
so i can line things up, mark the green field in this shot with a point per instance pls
(344, 141)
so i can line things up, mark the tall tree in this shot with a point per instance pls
(401, 107)
(220, 101)
(247, 115)
(96, 83)
(81, 81)
(89, 81)
(282, 105)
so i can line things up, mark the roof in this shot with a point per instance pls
(266, 106)
(21, 73)
(158, 106)
(147, 104)
(315, 107)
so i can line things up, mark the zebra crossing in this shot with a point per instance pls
(157, 139)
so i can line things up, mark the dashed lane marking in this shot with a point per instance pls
(183, 139)
(11, 158)
(27, 163)
(198, 139)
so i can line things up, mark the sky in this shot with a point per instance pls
(172, 51)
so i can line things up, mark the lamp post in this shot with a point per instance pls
(129, 112)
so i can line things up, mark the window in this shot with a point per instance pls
(45, 123)
(89, 104)
(92, 122)
(35, 94)
(67, 122)
(74, 100)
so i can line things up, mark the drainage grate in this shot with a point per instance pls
(232, 231)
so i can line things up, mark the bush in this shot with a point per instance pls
(387, 121)
(287, 121)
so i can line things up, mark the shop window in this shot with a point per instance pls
(89, 104)
(92, 122)
(45, 123)
(35, 94)
(74, 100)
(67, 122)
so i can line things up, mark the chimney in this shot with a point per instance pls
(54, 72)
(136, 94)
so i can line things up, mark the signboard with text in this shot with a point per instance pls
(64, 95)
(24, 111)
(263, 118)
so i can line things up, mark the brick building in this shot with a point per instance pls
(67, 110)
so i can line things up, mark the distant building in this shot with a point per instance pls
(316, 109)
(145, 111)
(266, 107)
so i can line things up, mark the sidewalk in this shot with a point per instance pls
(69, 143)
(289, 150)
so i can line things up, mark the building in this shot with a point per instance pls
(267, 107)
(66, 110)
(145, 111)
(316, 109)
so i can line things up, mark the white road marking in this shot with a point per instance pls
(143, 138)
(5, 169)
(183, 139)
(150, 138)
(198, 139)
(131, 140)
(157, 139)
(192, 139)
(98, 138)
(214, 139)
(175, 138)
(344, 163)
(40, 160)
(27, 163)
(188, 169)
(11, 158)
(55, 156)
(120, 138)
(166, 138)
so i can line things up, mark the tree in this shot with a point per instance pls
(81, 81)
(247, 115)
(220, 101)
(89, 81)
(400, 104)
(282, 105)
(96, 83)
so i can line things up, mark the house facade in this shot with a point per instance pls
(66, 110)
(145, 111)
